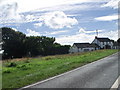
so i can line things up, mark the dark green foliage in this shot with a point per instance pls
(13, 43)
(6, 71)
(38, 45)
(17, 45)
(11, 64)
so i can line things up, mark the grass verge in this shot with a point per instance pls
(16, 74)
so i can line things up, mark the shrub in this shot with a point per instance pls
(7, 70)
(11, 64)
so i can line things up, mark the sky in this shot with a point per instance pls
(69, 21)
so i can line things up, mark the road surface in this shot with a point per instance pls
(99, 74)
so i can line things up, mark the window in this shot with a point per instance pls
(86, 49)
(105, 43)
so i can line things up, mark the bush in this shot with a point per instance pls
(11, 64)
(6, 71)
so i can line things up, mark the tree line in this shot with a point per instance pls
(18, 45)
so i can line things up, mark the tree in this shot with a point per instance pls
(17, 45)
(33, 46)
(39, 45)
(13, 43)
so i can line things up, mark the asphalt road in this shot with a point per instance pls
(99, 74)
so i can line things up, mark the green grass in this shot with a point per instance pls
(17, 74)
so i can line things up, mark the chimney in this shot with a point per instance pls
(95, 37)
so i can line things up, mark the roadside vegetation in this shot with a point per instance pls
(22, 72)
(17, 45)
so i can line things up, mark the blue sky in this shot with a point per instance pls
(69, 21)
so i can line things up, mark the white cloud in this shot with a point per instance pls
(28, 5)
(55, 20)
(113, 34)
(77, 38)
(11, 10)
(14, 29)
(56, 32)
(71, 7)
(82, 30)
(32, 33)
(58, 20)
(112, 3)
(32, 18)
(107, 18)
(29, 18)
(9, 13)
(85, 37)
(38, 24)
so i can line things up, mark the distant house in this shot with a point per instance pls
(115, 45)
(83, 47)
(98, 43)
(104, 43)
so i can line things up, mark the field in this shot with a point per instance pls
(19, 73)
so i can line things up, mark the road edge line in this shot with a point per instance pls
(116, 84)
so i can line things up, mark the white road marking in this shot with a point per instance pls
(116, 84)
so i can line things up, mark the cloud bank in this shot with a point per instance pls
(107, 18)
(9, 13)
(112, 4)
(86, 37)
(32, 33)
(58, 20)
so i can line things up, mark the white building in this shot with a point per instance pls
(98, 43)
(83, 47)
(104, 43)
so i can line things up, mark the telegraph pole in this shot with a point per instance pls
(96, 32)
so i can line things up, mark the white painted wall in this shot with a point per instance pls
(96, 42)
(115, 47)
(103, 44)
(89, 49)
(74, 49)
